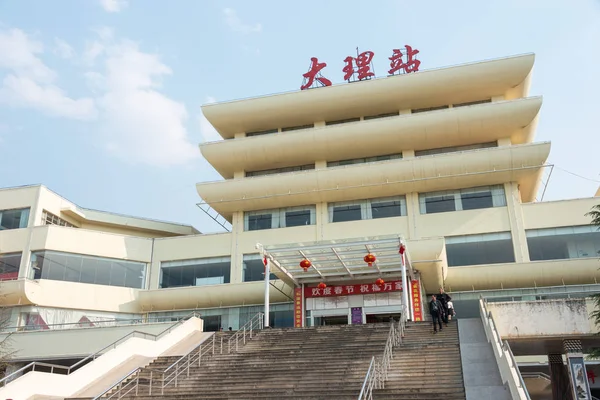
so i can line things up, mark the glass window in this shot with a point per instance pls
(386, 209)
(14, 219)
(51, 219)
(259, 133)
(9, 266)
(254, 269)
(349, 212)
(563, 243)
(297, 128)
(472, 103)
(87, 269)
(393, 114)
(437, 204)
(489, 248)
(280, 315)
(260, 221)
(367, 209)
(420, 110)
(342, 121)
(297, 218)
(473, 201)
(197, 272)
(280, 218)
(463, 199)
(385, 157)
(455, 149)
(306, 167)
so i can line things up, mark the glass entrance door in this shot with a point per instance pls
(331, 320)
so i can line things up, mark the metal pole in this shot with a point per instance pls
(404, 280)
(267, 273)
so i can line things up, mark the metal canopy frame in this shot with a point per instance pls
(339, 260)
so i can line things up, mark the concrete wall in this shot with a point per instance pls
(560, 317)
(71, 343)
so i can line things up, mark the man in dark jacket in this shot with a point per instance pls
(444, 298)
(435, 309)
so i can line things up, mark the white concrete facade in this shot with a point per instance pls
(454, 170)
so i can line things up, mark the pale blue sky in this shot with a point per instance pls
(100, 99)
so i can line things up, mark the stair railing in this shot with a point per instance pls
(509, 370)
(68, 370)
(377, 373)
(157, 380)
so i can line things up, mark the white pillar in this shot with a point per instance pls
(267, 274)
(405, 287)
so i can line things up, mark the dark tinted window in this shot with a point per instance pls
(440, 204)
(346, 213)
(473, 201)
(258, 222)
(297, 218)
(386, 209)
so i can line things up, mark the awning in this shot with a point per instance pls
(338, 260)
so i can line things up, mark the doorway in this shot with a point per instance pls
(331, 320)
(379, 318)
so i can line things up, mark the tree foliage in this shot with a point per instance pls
(594, 213)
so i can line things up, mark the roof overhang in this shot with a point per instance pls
(449, 85)
(522, 164)
(230, 295)
(458, 126)
(343, 260)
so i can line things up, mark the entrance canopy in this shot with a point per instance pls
(338, 260)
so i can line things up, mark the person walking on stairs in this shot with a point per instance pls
(436, 310)
(443, 298)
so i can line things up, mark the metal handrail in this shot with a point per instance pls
(101, 323)
(171, 375)
(4, 381)
(377, 373)
(366, 392)
(503, 346)
(513, 361)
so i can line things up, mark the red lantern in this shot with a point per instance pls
(370, 259)
(379, 281)
(321, 285)
(402, 249)
(305, 264)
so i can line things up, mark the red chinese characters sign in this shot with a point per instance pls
(298, 307)
(349, 290)
(416, 300)
(361, 68)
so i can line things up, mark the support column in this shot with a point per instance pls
(580, 386)
(267, 283)
(405, 286)
(559, 378)
(517, 226)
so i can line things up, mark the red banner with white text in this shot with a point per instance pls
(416, 300)
(298, 307)
(349, 290)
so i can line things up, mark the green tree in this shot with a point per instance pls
(594, 213)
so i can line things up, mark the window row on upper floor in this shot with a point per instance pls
(562, 243)
(80, 268)
(14, 218)
(429, 203)
(19, 218)
(365, 160)
(365, 118)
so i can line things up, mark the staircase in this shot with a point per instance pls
(426, 366)
(311, 363)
